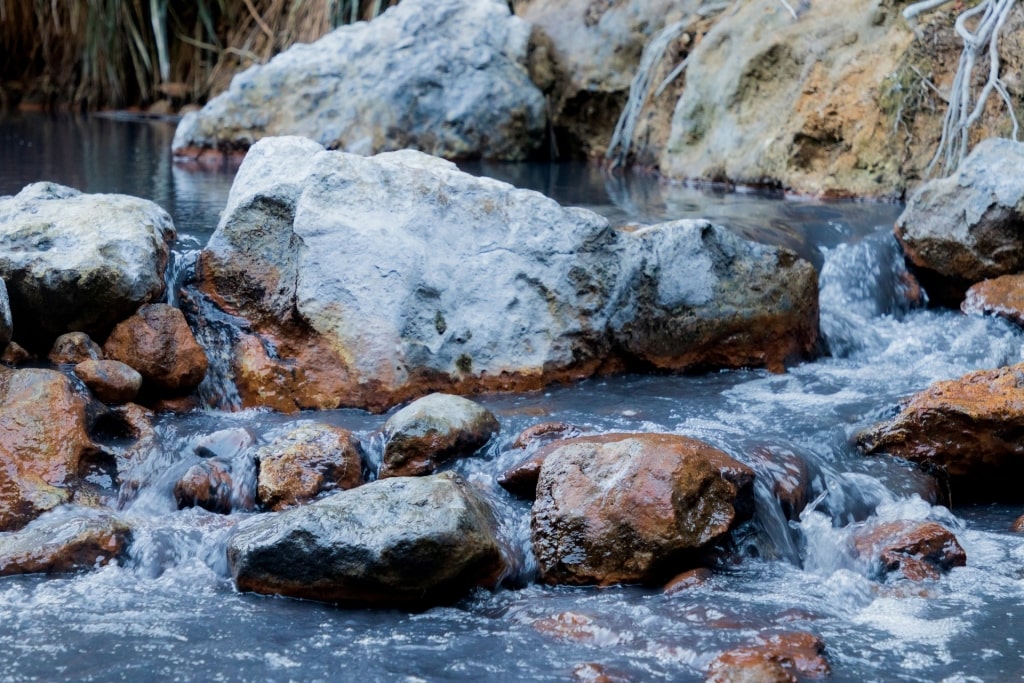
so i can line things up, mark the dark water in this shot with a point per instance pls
(169, 612)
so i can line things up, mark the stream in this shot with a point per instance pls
(169, 611)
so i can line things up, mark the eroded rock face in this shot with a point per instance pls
(917, 550)
(158, 343)
(65, 540)
(449, 78)
(109, 380)
(307, 461)
(432, 430)
(1002, 296)
(968, 227)
(464, 284)
(79, 262)
(406, 541)
(969, 428)
(623, 508)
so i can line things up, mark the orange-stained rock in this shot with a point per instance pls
(1002, 296)
(73, 348)
(521, 479)
(178, 405)
(573, 626)
(688, 579)
(158, 343)
(1018, 525)
(538, 434)
(598, 673)
(210, 485)
(621, 508)
(968, 428)
(65, 540)
(43, 441)
(780, 657)
(918, 550)
(15, 354)
(110, 381)
(307, 461)
(789, 476)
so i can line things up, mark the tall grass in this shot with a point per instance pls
(112, 53)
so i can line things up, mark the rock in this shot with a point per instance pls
(521, 479)
(158, 343)
(687, 580)
(68, 539)
(598, 673)
(43, 443)
(1018, 525)
(545, 431)
(307, 461)
(409, 541)
(1002, 296)
(622, 508)
(968, 428)
(917, 550)
(210, 485)
(788, 474)
(73, 348)
(226, 444)
(432, 430)
(572, 626)
(15, 354)
(449, 78)
(969, 227)
(6, 321)
(351, 302)
(780, 657)
(79, 262)
(109, 380)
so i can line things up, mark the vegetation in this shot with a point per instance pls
(112, 53)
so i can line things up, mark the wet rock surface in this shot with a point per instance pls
(691, 578)
(1002, 296)
(208, 484)
(73, 348)
(68, 539)
(307, 461)
(779, 658)
(79, 262)
(916, 550)
(408, 541)
(15, 354)
(6, 320)
(109, 380)
(432, 430)
(624, 508)
(449, 78)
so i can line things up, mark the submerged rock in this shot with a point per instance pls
(406, 541)
(210, 485)
(1002, 296)
(73, 348)
(447, 77)
(432, 430)
(917, 550)
(691, 578)
(79, 262)
(779, 658)
(65, 540)
(968, 428)
(622, 508)
(307, 461)
(464, 284)
(969, 227)
(109, 380)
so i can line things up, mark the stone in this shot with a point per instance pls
(15, 354)
(73, 348)
(208, 485)
(43, 443)
(406, 542)
(6, 321)
(1002, 296)
(79, 262)
(598, 673)
(226, 444)
(432, 430)
(1018, 525)
(521, 479)
(537, 434)
(309, 460)
(446, 77)
(109, 380)
(788, 474)
(352, 303)
(571, 626)
(968, 429)
(625, 508)
(969, 227)
(917, 550)
(158, 343)
(68, 539)
(779, 657)
(691, 578)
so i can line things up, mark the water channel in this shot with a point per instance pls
(169, 611)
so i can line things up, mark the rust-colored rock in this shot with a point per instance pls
(538, 434)
(1018, 525)
(521, 479)
(1002, 296)
(688, 579)
(622, 508)
(572, 626)
(970, 428)
(917, 550)
(598, 673)
(208, 485)
(789, 476)
(43, 441)
(73, 348)
(158, 343)
(784, 657)
(110, 381)
(65, 540)
(305, 462)
(15, 354)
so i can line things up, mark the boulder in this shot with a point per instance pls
(968, 429)
(1002, 296)
(158, 343)
(916, 550)
(109, 380)
(463, 284)
(209, 484)
(521, 479)
(434, 429)
(79, 262)
(449, 78)
(407, 541)
(307, 461)
(15, 354)
(73, 348)
(6, 321)
(622, 508)
(43, 443)
(782, 658)
(68, 539)
(969, 227)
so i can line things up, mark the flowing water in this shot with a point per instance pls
(169, 611)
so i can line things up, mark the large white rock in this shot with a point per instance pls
(79, 262)
(369, 281)
(447, 77)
